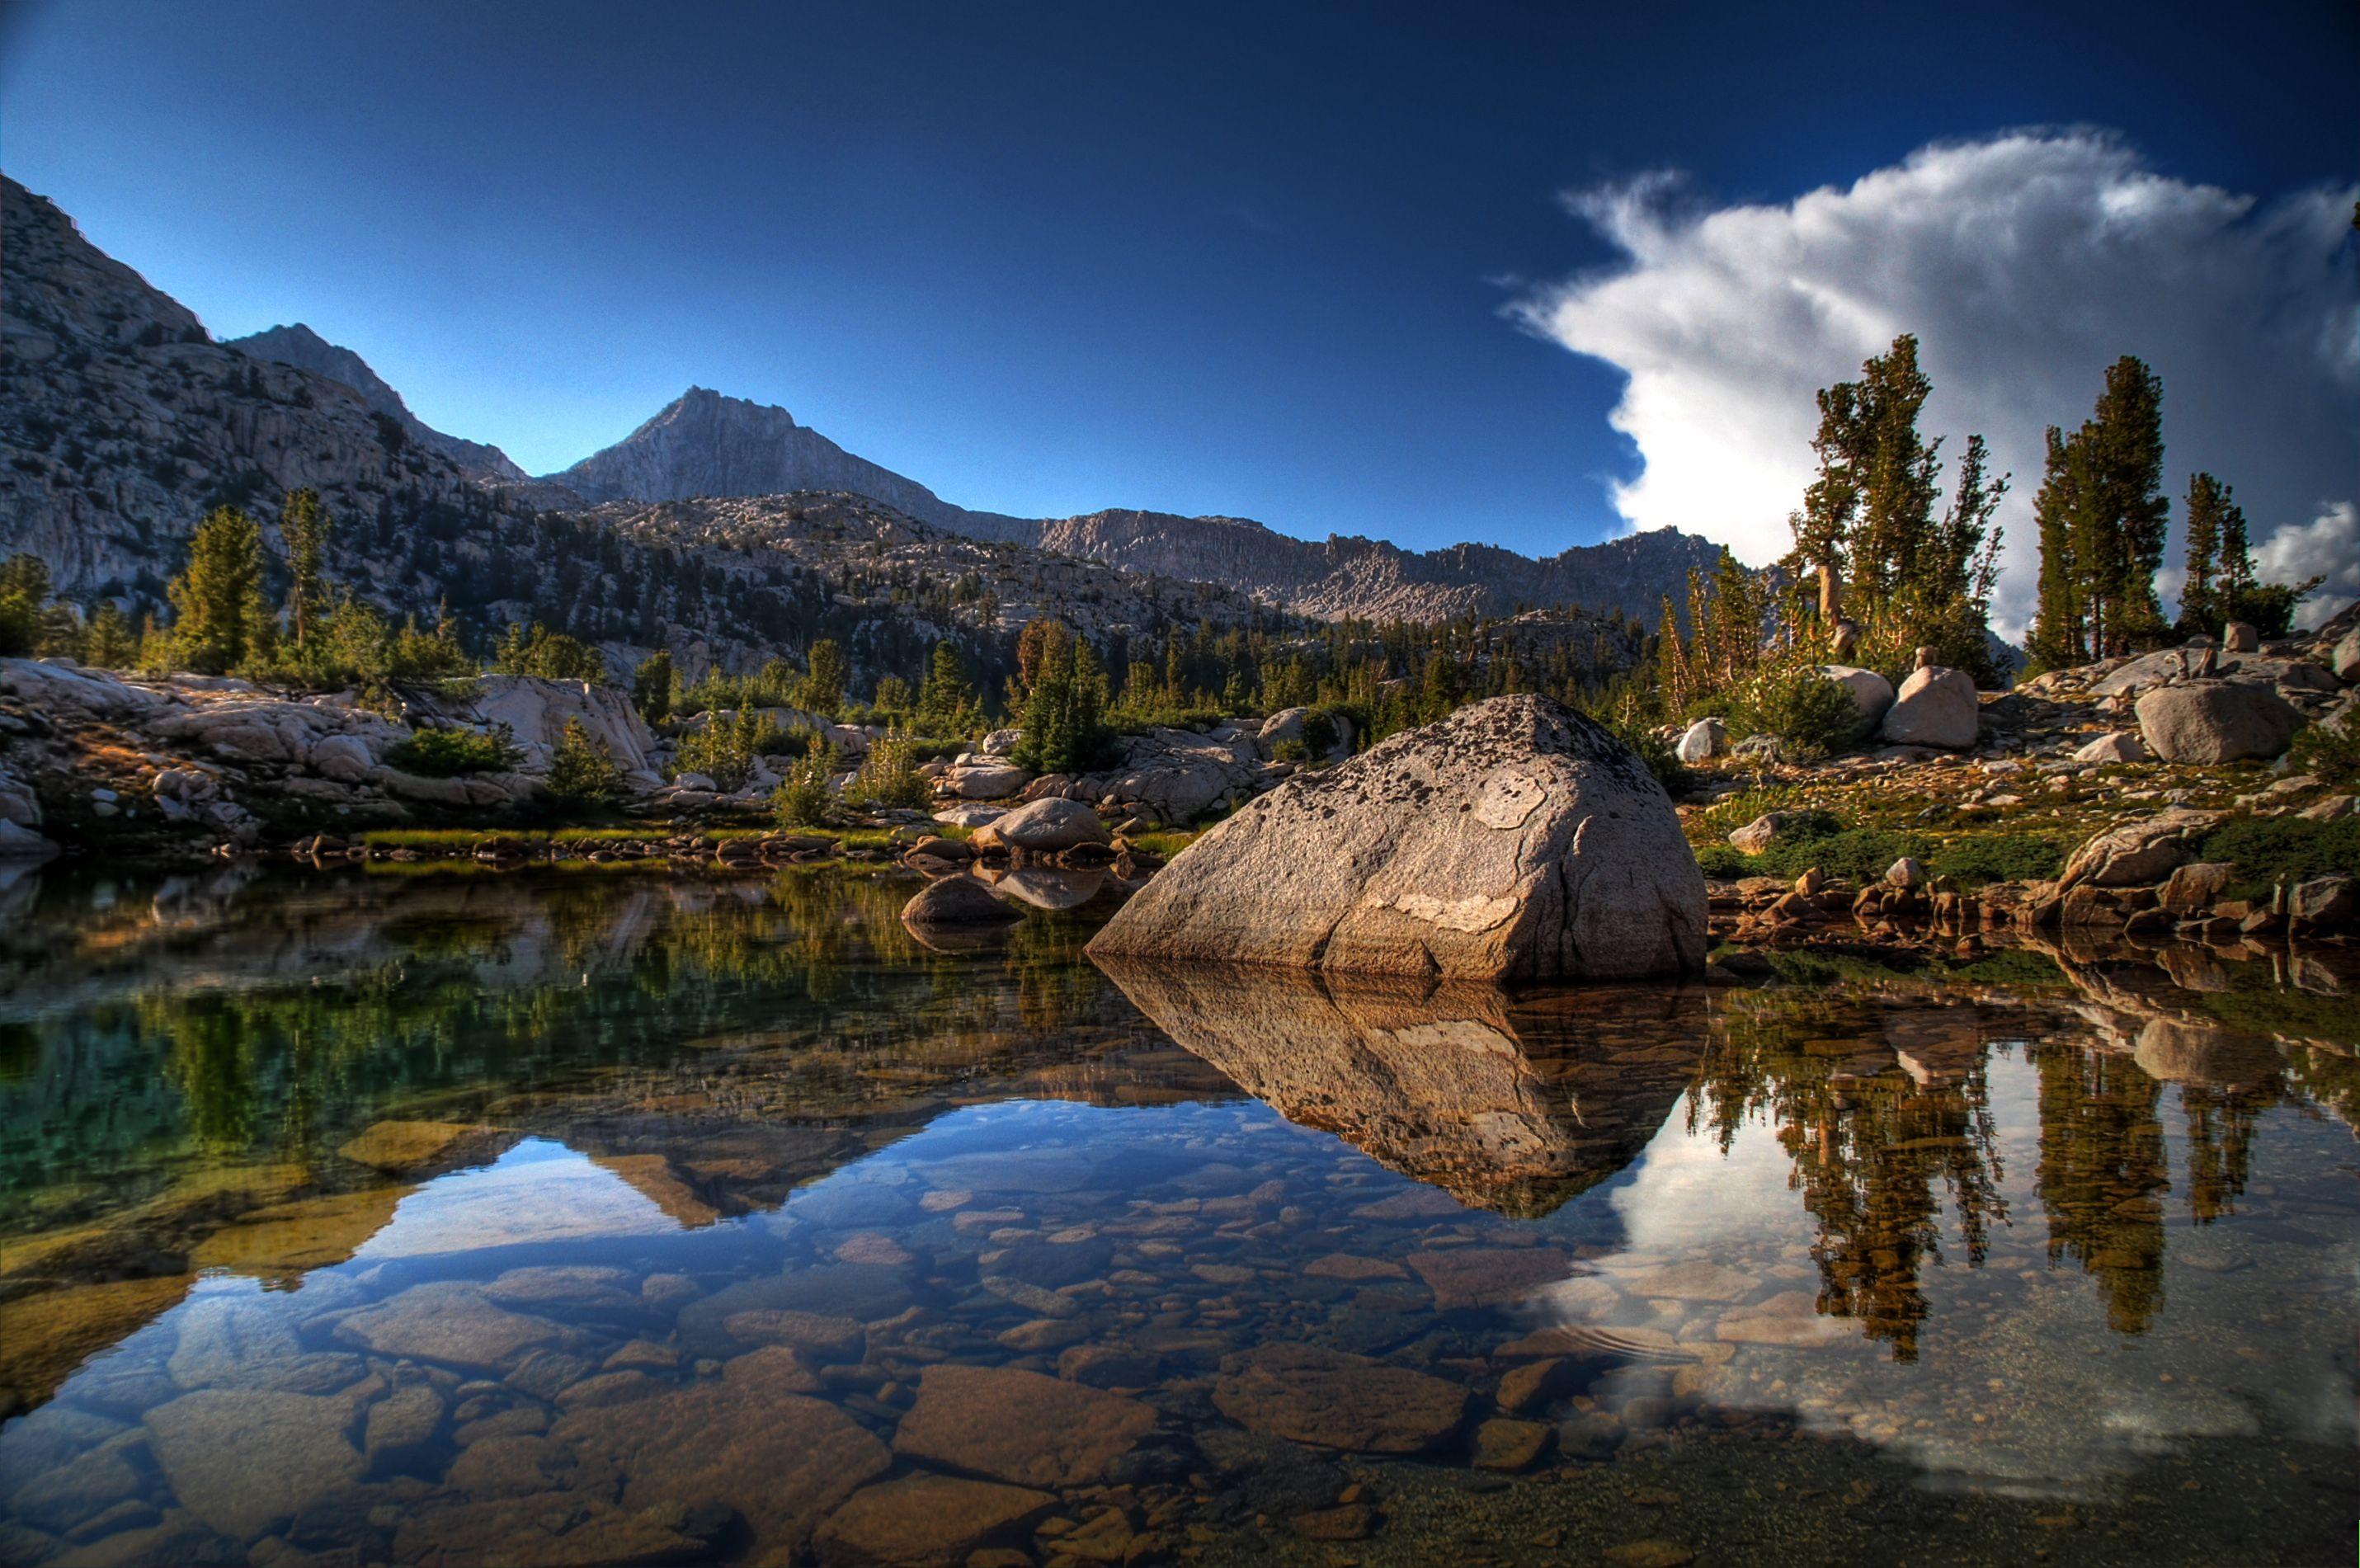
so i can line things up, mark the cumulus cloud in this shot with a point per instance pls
(2328, 546)
(2026, 264)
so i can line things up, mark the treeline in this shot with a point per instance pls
(1895, 551)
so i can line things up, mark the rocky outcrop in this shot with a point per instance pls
(2216, 721)
(1515, 840)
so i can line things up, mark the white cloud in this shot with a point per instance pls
(2026, 264)
(2328, 546)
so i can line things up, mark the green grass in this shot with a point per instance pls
(2266, 849)
(466, 838)
(1164, 845)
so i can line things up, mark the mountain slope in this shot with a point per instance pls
(704, 444)
(122, 422)
(301, 347)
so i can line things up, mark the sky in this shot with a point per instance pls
(1530, 275)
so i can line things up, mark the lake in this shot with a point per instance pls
(620, 1216)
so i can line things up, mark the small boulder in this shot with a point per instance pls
(1762, 831)
(2239, 637)
(2216, 721)
(1905, 873)
(986, 778)
(1869, 692)
(2323, 900)
(1935, 707)
(1705, 739)
(957, 901)
(1046, 826)
(2345, 657)
(2117, 745)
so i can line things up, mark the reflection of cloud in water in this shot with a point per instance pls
(536, 1193)
(2068, 1402)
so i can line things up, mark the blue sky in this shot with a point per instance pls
(1251, 260)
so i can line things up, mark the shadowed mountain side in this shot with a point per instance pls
(1513, 1104)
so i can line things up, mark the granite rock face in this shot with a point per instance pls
(1515, 840)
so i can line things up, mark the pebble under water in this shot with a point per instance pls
(606, 1217)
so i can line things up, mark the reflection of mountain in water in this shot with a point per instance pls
(1514, 1104)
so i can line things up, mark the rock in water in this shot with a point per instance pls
(957, 901)
(2216, 721)
(1936, 707)
(1515, 840)
(1043, 827)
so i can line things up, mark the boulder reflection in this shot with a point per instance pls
(1512, 1103)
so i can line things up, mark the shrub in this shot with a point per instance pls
(2269, 849)
(446, 754)
(581, 772)
(2333, 754)
(803, 800)
(889, 778)
(1972, 862)
(1801, 707)
(1291, 751)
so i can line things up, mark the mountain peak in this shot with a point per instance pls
(299, 345)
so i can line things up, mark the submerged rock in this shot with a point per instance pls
(1020, 1427)
(927, 1521)
(1333, 1399)
(1515, 839)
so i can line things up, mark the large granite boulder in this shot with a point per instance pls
(1935, 707)
(1869, 692)
(2216, 721)
(2345, 657)
(1515, 840)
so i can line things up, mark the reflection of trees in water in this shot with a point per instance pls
(1868, 1141)
(2101, 1175)
(447, 995)
(2221, 1123)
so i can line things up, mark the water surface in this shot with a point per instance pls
(621, 1217)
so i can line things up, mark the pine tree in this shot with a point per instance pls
(581, 772)
(946, 703)
(110, 641)
(303, 527)
(24, 599)
(2207, 499)
(220, 620)
(821, 690)
(2056, 638)
(2120, 512)
(651, 686)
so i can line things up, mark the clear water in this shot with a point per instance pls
(748, 1228)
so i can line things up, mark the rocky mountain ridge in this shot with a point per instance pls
(301, 347)
(706, 444)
